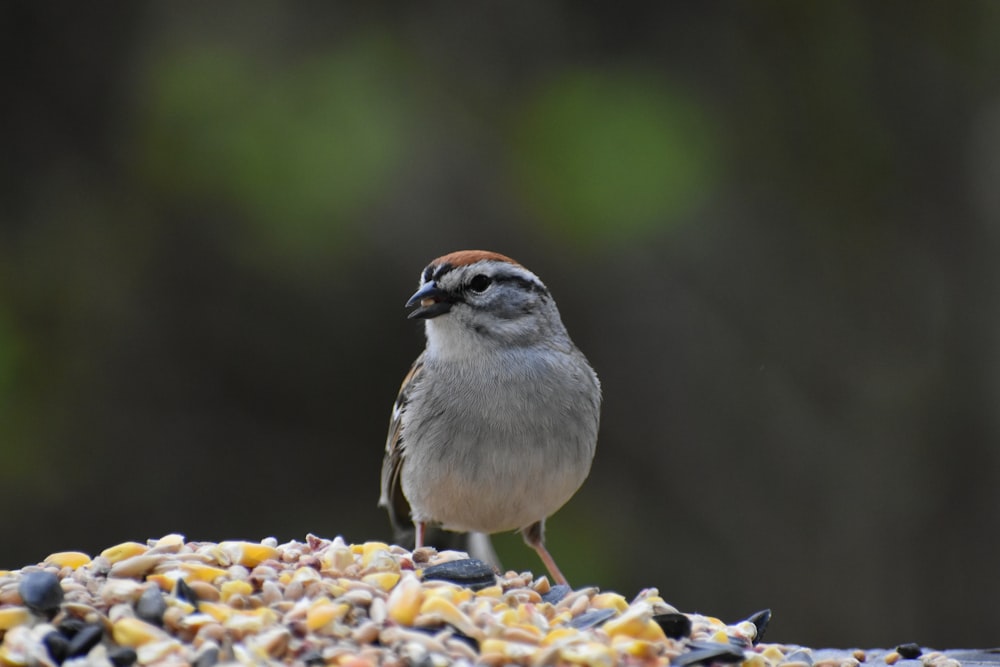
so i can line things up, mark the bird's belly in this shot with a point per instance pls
(489, 491)
(489, 454)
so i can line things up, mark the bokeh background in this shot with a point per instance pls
(772, 226)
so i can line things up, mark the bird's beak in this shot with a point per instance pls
(430, 300)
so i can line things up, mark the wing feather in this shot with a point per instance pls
(392, 497)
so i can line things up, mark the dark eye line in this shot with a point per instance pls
(439, 271)
(529, 285)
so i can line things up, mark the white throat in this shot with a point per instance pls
(448, 339)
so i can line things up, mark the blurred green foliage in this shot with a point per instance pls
(610, 154)
(298, 145)
(20, 457)
(11, 350)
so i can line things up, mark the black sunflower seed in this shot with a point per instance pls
(760, 620)
(470, 572)
(85, 639)
(675, 625)
(122, 656)
(705, 653)
(186, 593)
(151, 605)
(590, 619)
(556, 593)
(56, 644)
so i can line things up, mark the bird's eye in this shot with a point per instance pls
(479, 283)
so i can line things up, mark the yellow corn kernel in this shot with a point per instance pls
(337, 559)
(523, 632)
(235, 587)
(11, 617)
(507, 649)
(123, 551)
(255, 554)
(166, 582)
(245, 622)
(637, 624)
(320, 615)
(70, 559)
(306, 574)
(455, 594)
(185, 606)
(590, 653)
(528, 614)
(773, 654)
(561, 618)
(609, 601)
(509, 617)
(202, 572)
(652, 632)
(383, 580)
(404, 601)
(499, 608)
(334, 590)
(248, 554)
(560, 635)
(637, 648)
(370, 550)
(132, 632)
(446, 611)
(490, 592)
(443, 592)
(220, 612)
(756, 660)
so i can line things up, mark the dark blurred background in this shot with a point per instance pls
(772, 226)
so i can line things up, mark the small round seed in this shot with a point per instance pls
(41, 592)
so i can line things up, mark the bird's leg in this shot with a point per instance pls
(420, 527)
(534, 535)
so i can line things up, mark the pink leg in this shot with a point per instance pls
(534, 535)
(421, 527)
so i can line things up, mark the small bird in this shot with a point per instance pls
(495, 425)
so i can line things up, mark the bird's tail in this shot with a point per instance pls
(480, 546)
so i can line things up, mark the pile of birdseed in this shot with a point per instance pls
(327, 602)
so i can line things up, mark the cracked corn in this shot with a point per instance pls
(327, 602)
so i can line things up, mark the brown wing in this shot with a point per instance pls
(392, 492)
